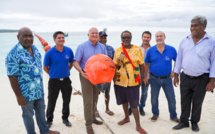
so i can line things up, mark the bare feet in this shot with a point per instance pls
(53, 132)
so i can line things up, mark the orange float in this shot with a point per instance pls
(100, 69)
(46, 48)
(43, 42)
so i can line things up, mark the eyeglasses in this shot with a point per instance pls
(126, 37)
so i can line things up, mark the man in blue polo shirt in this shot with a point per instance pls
(57, 63)
(158, 61)
(90, 91)
(24, 69)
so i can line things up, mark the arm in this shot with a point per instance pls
(146, 67)
(77, 67)
(15, 86)
(172, 74)
(70, 65)
(141, 73)
(46, 69)
(176, 79)
(211, 85)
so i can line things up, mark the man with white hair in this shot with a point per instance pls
(196, 56)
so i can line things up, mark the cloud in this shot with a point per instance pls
(79, 15)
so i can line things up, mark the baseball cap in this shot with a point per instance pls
(102, 33)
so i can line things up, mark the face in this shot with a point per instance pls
(93, 35)
(103, 39)
(126, 39)
(197, 29)
(160, 38)
(146, 39)
(25, 38)
(59, 40)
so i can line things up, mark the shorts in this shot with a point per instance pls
(128, 94)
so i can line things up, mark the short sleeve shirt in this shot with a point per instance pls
(58, 62)
(28, 69)
(124, 70)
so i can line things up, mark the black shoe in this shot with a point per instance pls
(49, 123)
(67, 123)
(195, 127)
(181, 125)
(129, 111)
(142, 112)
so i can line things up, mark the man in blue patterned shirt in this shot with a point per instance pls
(24, 70)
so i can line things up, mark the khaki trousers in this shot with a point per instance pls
(90, 97)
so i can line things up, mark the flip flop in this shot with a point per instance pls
(97, 113)
(122, 122)
(109, 112)
(142, 131)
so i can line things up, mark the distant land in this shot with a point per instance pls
(7, 30)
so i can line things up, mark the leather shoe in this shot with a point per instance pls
(97, 122)
(90, 130)
(67, 123)
(195, 127)
(154, 118)
(181, 125)
(49, 123)
(175, 120)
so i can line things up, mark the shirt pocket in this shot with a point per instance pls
(203, 51)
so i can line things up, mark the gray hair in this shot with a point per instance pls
(201, 19)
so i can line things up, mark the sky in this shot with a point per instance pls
(115, 15)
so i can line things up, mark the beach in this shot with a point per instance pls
(11, 114)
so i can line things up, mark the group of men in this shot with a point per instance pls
(135, 66)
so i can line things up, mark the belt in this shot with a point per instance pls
(160, 77)
(194, 77)
(60, 79)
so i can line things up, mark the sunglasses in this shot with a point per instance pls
(126, 37)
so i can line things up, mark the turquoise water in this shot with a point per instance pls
(8, 40)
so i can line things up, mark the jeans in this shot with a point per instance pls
(167, 86)
(143, 95)
(37, 107)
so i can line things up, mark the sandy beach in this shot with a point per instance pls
(12, 123)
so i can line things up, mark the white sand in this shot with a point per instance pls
(12, 123)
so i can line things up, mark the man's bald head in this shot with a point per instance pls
(93, 35)
(25, 37)
(160, 38)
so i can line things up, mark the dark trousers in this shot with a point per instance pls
(192, 95)
(54, 87)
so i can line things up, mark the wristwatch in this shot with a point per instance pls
(142, 77)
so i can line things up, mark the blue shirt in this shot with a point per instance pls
(110, 51)
(160, 64)
(86, 50)
(196, 59)
(28, 69)
(58, 62)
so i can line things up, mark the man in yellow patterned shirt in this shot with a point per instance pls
(128, 60)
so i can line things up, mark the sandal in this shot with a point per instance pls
(109, 112)
(122, 122)
(97, 113)
(142, 131)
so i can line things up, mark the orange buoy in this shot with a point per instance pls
(43, 42)
(100, 69)
(46, 48)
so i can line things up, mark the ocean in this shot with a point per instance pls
(8, 40)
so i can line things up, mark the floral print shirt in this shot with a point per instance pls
(28, 69)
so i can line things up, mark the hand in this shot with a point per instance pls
(172, 74)
(210, 86)
(21, 100)
(84, 74)
(176, 81)
(145, 80)
(141, 81)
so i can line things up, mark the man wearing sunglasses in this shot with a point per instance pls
(128, 60)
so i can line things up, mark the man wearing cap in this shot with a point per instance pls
(57, 63)
(110, 52)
